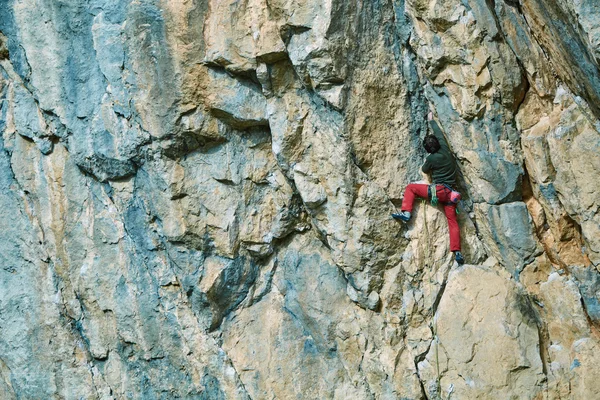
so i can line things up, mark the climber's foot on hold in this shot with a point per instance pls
(459, 257)
(402, 216)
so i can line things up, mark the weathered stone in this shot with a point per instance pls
(3, 47)
(560, 148)
(497, 328)
(566, 338)
(519, 37)
(240, 104)
(588, 281)
(584, 368)
(299, 332)
(508, 234)
(573, 58)
(195, 199)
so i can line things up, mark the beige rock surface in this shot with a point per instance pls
(195, 200)
(495, 323)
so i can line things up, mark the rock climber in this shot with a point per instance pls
(442, 167)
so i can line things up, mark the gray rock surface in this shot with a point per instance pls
(195, 199)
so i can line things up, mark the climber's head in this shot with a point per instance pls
(431, 144)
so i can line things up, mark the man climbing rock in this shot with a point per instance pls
(442, 167)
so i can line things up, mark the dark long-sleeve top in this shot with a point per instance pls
(440, 164)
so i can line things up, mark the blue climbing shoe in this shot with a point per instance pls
(402, 216)
(459, 257)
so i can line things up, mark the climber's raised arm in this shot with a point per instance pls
(437, 131)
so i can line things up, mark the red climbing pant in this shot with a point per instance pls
(443, 194)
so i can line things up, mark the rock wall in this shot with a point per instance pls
(195, 199)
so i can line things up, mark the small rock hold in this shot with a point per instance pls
(372, 301)
(45, 145)
(3, 48)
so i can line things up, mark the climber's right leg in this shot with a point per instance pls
(454, 230)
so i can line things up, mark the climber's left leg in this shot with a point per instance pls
(412, 190)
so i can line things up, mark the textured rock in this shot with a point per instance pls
(508, 234)
(573, 55)
(475, 84)
(561, 153)
(496, 325)
(195, 199)
(302, 334)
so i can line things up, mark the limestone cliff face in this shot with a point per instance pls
(195, 199)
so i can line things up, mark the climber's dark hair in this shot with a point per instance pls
(431, 144)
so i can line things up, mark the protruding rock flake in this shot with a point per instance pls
(196, 200)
